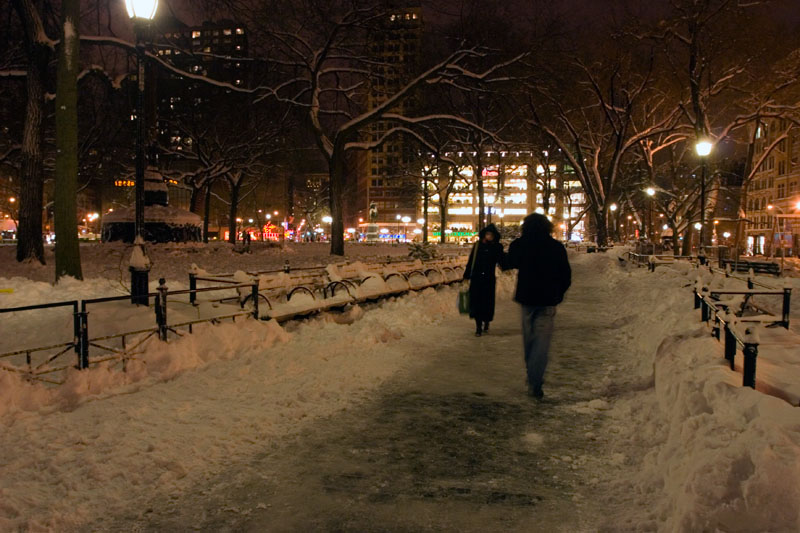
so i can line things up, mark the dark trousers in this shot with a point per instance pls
(537, 331)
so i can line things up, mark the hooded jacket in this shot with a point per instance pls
(544, 271)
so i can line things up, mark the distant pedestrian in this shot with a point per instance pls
(487, 254)
(543, 278)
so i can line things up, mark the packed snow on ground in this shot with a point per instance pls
(697, 451)
(100, 443)
(683, 446)
(173, 260)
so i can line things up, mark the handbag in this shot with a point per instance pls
(463, 294)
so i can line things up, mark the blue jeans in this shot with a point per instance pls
(537, 330)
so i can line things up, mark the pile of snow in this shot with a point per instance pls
(97, 446)
(697, 450)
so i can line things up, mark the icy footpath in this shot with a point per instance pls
(697, 451)
(99, 445)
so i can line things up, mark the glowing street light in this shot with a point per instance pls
(650, 191)
(141, 13)
(141, 9)
(420, 221)
(703, 149)
(12, 199)
(327, 219)
(612, 207)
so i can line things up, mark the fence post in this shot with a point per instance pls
(705, 311)
(254, 292)
(286, 267)
(161, 309)
(750, 355)
(76, 327)
(83, 357)
(192, 287)
(750, 276)
(787, 297)
(730, 342)
(715, 330)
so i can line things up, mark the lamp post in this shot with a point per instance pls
(703, 148)
(651, 192)
(615, 219)
(141, 12)
(405, 220)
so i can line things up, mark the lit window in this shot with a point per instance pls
(207, 49)
(238, 82)
(238, 47)
(239, 31)
(227, 32)
(168, 52)
(196, 34)
(393, 18)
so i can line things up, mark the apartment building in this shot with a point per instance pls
(773, 197)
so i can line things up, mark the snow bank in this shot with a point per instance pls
(102, 444)
(720, 457)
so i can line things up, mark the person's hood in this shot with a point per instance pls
(491, 228)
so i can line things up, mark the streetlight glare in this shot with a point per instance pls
(327, 219)
(770, 206)
(142, 9)
(420, 221)
(12, 199)
(613, 207)
(703, 148)
(698, 225)
(650, 191)
(406, 220)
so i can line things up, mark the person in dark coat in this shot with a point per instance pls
(487, 254)
(544, 275)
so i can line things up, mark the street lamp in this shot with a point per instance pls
(651, 192)
(405, 221)
(141, 12)
(703, 148)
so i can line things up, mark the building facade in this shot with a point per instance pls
(773, 198)
(381, 175)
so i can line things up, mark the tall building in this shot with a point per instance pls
(514, 186)
(381, 174)
(215, 50)
(773, 198)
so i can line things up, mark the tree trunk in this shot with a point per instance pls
(481, 200)
(68, 254)
(443, 200)
(425, 209)
(675, 250)
(686, 248)
(602, 227)
(206, 211)
(337, 172)
(232, 224)
(29, 228)
(530, 197)
(196, 198)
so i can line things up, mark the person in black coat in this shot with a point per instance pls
(487, 254)
(543, 279)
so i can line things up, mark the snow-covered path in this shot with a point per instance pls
(395, 418)
(453, 444)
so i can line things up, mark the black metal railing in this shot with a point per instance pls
(250, 295)
(725, 319)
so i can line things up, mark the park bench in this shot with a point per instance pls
(759, 267)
